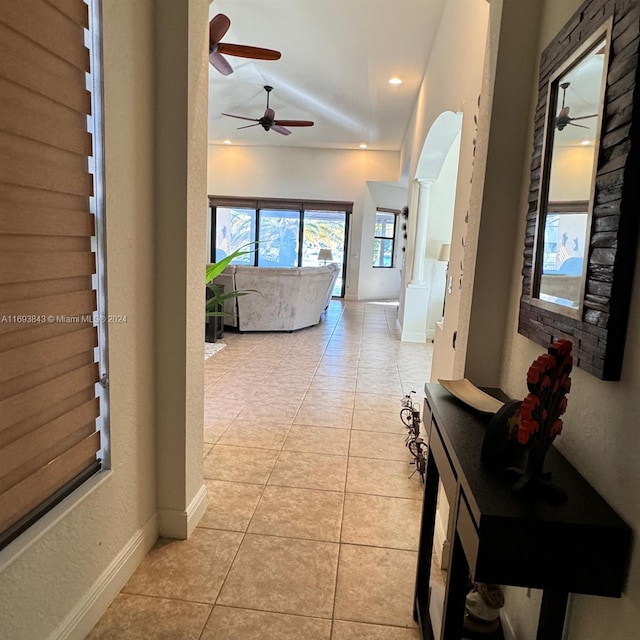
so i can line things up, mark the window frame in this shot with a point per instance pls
(396, 213)
(97, 207)
(63, 497)
(272, 204)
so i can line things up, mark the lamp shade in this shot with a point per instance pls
(325, 254)
(444, 253)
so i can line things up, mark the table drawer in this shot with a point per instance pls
(445, 468)
(468, 533)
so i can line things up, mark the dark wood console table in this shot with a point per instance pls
(581, 546)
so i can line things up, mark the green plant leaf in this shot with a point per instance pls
(216, 301)
(215, 269)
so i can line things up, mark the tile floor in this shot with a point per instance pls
(312, 522)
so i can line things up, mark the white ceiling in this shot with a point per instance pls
(337, 58)
(583, 96)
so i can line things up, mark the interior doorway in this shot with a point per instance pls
(428, 279)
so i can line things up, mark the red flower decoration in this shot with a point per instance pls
(548, 382)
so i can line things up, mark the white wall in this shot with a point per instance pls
(440, 225)
(313, 174)
(380, 283)
(55, 572)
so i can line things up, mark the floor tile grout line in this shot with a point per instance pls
(226, 575)
(277, 613)
(344, 500)
(290, 486)
(235, 555)
(157, 597)
(319, 540)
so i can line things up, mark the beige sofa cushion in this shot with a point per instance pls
(289, 299)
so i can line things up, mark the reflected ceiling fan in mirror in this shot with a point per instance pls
(563, 118)
(218, 27)
(268, 121)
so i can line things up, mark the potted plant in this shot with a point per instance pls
(216, 295)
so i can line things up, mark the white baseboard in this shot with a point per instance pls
(179, 525)
(196, 509)
(87, 612)
(431, 334)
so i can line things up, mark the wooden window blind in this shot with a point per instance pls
(49, 438)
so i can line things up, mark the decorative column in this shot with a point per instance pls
(417, 294)
(420, 247)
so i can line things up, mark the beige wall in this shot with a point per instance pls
(502, 138)
(180, 236)
(40, 587)
(600, 435)
(571, 173)
(313, 174)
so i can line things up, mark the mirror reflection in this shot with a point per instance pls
(564, 219)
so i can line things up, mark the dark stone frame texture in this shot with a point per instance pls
(599, 336)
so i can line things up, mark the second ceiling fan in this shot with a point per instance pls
(268, 121)
(563, 118)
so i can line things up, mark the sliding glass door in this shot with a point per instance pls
(325, 230)
(287, 233)
(279, 233)
(234, 227)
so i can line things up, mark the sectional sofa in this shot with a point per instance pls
(288, 298)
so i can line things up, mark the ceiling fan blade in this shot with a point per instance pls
(240, 117)
(594, 115)
(248, 125)
(295, 123)
(218, 26)
(220, 63)
(578, 125)
(243, 51)
(280, 129)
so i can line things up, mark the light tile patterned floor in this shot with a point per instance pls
(312, 523)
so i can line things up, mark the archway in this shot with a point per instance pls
(432, 207)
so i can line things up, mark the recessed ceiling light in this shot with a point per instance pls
(395, 81)
(363, 145)
(586, 142)
(227, 142)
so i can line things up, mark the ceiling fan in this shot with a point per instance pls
(218, 26)
(563, 118)
(268, 120)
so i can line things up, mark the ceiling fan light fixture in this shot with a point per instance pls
(268, 121)
(395, 81)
